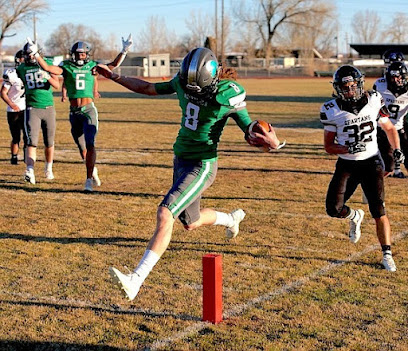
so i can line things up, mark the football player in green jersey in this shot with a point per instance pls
(207, 100)
(40, 112)
(80, 84)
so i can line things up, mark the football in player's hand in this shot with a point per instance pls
(262, 128)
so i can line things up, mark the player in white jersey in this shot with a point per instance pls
(394, 89)
(13, 94)
(350, 128)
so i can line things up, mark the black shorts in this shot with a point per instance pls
(386, 149)
(347, 176)
(16, 125)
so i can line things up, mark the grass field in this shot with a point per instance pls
(292, 279)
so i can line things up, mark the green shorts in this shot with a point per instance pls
(190, 179)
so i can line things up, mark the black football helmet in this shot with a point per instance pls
(77, 48)
(344, 75)
(397, 76)
(199, 72)
(392, 55)
(17, 57)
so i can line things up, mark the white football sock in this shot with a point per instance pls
(224, 219)
(48, 166)
(146, 264)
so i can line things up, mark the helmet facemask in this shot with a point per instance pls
(80, 53)
(348, 83)
(397, 77)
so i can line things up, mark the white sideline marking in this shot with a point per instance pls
(239, 309)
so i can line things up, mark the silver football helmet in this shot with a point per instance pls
(77, 48)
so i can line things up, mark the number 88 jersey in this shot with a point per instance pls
(352, 127)
(78, 80)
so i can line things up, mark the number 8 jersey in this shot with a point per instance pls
(79, 80)
(355, 126)
(204, 118)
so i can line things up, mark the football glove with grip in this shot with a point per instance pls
(127, 44)
(398, 156)
(356, 147)
(32, 48)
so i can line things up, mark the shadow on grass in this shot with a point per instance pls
(115, 309)
(20, 345)
(266, 98)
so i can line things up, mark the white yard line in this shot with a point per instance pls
(241, 308)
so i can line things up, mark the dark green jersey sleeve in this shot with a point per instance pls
(164, 88)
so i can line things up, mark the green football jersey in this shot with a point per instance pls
(78, 80)
(38, 90)
(203, 120)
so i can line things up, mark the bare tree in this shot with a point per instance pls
(154, 38)
(61, 41)
(269, 16)
(200, 27)
(15, 12)
(397, 32)
(365, 26)
(311, 32)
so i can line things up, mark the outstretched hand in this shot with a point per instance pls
(127, 44)
(32, 48)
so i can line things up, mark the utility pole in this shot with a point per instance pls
(35, 29)
(216, 29)
(222, 32)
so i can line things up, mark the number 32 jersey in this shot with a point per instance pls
(355, 127)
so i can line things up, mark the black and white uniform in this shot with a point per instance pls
(397, 106)
(16, 93)
(365, 166)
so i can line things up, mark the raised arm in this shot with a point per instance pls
(33, 50)
(126, 45)
(137, 85)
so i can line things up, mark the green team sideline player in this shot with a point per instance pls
(40, 112)
(79, 81)
(207, 97)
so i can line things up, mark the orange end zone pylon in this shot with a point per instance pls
(212, 288)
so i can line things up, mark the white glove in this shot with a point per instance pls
(127, 44)
(32, 48)
(45, 75)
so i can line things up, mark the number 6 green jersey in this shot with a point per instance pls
(78, 80)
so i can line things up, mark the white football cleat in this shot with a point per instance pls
(355, 227)
(29, 176)
(49, 175)
(388, 261)
(95, 177)
(129, 283)
(238, 216)
(88, 185)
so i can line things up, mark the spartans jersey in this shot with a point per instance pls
(203, 119)
(78, 80)
(354, 128)
(37, 88)
(397, 106)
(15, 89)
